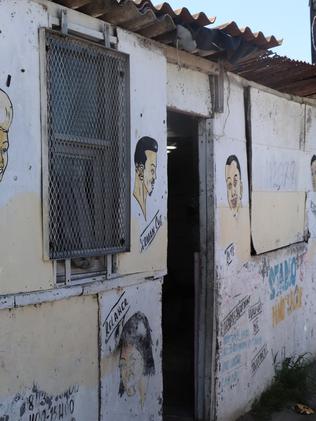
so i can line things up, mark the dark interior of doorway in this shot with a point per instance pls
(178, 291)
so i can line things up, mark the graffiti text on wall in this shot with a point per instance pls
(236, 346)
(235, 314)
(41, 406)
(282, 276)
(115, 316)
(150, 232)
(230, 253)
(255, 310)
(286, 305)
(240, 341)
(281, 175)
(259, 358)
(253, 313)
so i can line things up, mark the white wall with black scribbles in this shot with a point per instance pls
(130, 334)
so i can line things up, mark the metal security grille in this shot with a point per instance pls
(88, 148)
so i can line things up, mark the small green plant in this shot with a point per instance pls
(290, 384)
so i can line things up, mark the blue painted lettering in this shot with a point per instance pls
(282, 277)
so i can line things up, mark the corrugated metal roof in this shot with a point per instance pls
(180, 16)
(280, 73)
(232, 29)
(190, 32)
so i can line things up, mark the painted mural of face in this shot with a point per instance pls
(233, 183)
(136, 358)
(132, 371)
(313, 171)
(145, 160)
(149, 172)
(6, 116)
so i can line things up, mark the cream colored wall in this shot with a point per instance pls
(50, 348)
(22, 267)
(49, 363)
(148, 118)
(21, 264)
(279, 171)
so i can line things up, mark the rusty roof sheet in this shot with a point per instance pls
(280, 73)
(162, 23)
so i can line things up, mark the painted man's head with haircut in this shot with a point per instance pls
(233, 183)
(145, 159)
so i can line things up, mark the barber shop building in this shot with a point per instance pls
(157, 212)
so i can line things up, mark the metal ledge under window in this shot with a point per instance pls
(82, 270)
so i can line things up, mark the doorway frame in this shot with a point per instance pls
(205, 281)
(205, 297)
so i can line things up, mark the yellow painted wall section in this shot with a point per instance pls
(50, 350)
(21, 264)
(154, 258)
(275, 216)
(235, 231)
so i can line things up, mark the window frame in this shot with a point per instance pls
(110, 258)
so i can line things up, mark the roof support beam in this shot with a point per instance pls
(189, 61)
(73, 4)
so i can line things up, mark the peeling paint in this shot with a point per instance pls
(274, 290)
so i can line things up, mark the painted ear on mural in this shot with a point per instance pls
(233, 183)
(145, 160)
(6, 117)
(313, 171)
(136, 357)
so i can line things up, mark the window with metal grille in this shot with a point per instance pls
(88, 162)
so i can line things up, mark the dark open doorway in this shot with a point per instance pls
(179, 285)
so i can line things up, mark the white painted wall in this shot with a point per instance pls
(148, 118)
(133, 313)
(21, 264)
(56, 344)
(188, 91)
(265, 303)
(278, 174)
(20, 199)
(50, 350)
